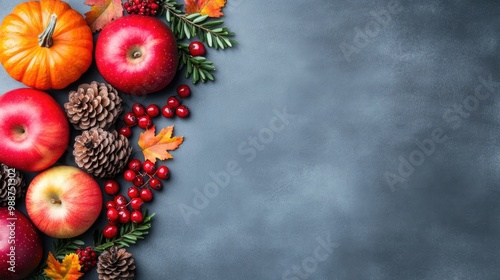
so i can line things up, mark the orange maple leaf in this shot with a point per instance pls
(212, 8)
(102, 12)
(157, 147)
(67, 270)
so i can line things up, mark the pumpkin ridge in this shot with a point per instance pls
(10, 47)
(49, 7)
(53, 72)
(74, 38)
(19, 63)
(38, 63)
(22, 29)
(29, 13)
(74, 23)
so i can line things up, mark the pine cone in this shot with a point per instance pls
(10, 177)
(93, 105)
(116, 264)
(101, 153)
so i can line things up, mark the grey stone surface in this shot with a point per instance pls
(388, 168)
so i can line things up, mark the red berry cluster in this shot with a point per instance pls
(144, 177)
(142, 7)
(174, 108)
(142, 116)
(87, 258)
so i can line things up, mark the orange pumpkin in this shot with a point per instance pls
(46, 44)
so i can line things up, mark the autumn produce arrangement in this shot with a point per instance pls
(138, 47)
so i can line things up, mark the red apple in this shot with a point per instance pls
(33, 129)
(63, 201)
(21, 247)
(137, 54)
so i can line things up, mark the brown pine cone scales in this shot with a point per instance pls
(101, 153)
(116, 264)
(93, 105)
(10, 177)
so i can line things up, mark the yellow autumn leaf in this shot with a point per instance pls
(157, 146)
(212, 8)
(69, 269)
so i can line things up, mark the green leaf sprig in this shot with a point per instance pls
(207, 29)
(198, 67)
(63, 247)
(128, 235)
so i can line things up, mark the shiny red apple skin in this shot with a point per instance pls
(137, 54)
(25, 241)
(63, 201)
(34, 131)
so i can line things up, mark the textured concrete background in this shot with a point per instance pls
(388, 168)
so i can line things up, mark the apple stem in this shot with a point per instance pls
(45, 38)
(137, 54)
(55, 201)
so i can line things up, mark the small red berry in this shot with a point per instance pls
(112, 214)
(173, 102)
(111, 187)
(138, 109)
(196, 48)
(144, 122)
(125, 131)
(163, 172)
(136, 203)
(167, 112)
(146, 195)
(149, 167)
(182, 111)
(138, 181)
(130, 119)
(155, 184)
(135, 165)
(124, 216)
(136, 217)
(120, 201)
(110, 204)
(133, 192)
(110, 231)
(153, 110)
(183, 91)
(129, 175)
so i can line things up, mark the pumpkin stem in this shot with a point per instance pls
(45, 38)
